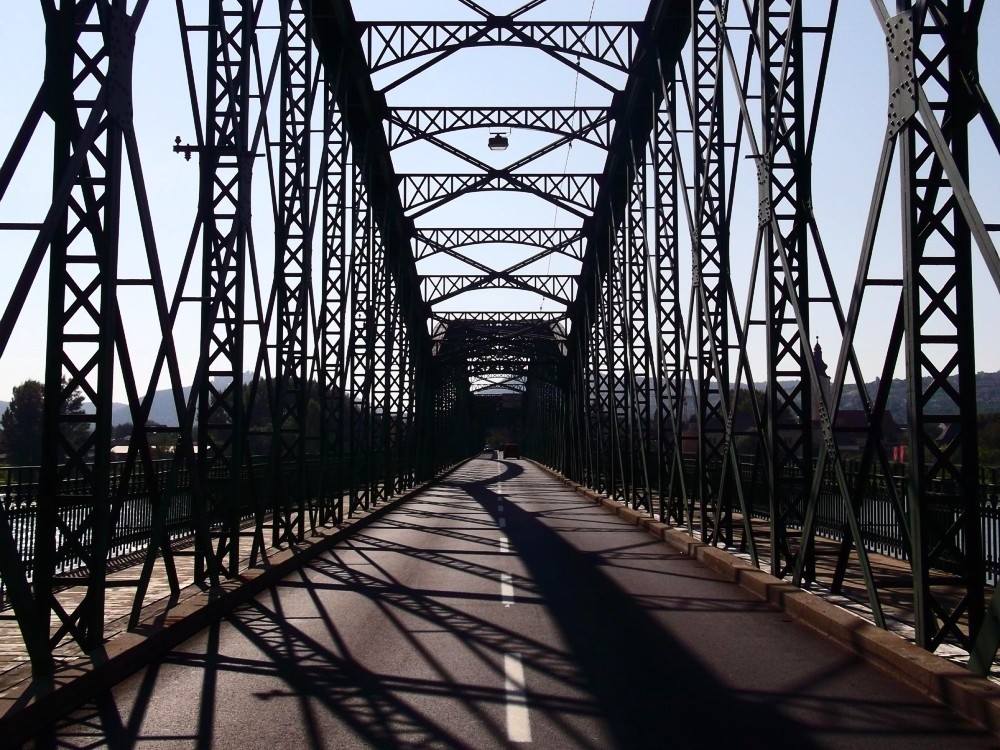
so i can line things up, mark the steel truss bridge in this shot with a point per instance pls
(651, 371)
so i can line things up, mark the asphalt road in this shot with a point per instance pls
(500, 609)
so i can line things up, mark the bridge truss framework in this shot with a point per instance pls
(642, 385)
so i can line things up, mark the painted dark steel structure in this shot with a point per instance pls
(336, 375)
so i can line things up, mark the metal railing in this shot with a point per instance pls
(133, 525)
(881, 524)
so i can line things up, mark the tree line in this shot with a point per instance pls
(22, 421)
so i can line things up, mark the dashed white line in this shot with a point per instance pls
(518, 719)
(502, 522)
(503, 546)
(506, 589)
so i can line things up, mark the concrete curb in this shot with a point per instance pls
(29, 705)
(965, 693)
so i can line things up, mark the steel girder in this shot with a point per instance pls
(481, 316)
(293, 270)
(575, 193)
(931, 109)
(367, 264)
(556, 288)
(544, 417)
(589, 124)
(712, 276)
(639, 336)
(629, 356)
(334, 310)
(429, 242)
(783, 215)
(83, 279)
(226, 168)
(669, 381)
(614, 45)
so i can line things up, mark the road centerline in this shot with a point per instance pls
(506, 589)
(518, 717)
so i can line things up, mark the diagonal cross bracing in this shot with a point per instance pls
(576, 193)
(614, 44)
(590, 124)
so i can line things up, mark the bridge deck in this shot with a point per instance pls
(502, 607)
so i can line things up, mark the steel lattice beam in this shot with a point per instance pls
(575, 193)
(429, 242)
(225, 175)
(557, 288)
(589, 124)
(712, 278)
(293, 261)
(613, 44)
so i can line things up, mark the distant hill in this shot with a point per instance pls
(163, 410)
(987, 394)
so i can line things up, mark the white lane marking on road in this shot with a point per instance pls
(503, 546)
(506, 589)
(502, 522)
(518, 719)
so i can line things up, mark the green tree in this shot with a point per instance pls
(989, 440)
(22, 422)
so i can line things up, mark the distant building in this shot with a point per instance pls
(850, 427)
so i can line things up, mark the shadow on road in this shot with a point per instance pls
(289, 647)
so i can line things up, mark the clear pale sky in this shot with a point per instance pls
(848, 143)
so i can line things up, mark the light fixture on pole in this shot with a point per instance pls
(498, 140)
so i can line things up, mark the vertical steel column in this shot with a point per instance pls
(425, 387)
(224, 210)
(408, 432)
(332, 336)
(293, 274)
(579, 437)
(600, 384)
(711, 281)
(784, 195)
(618, 343)
(932, 42)
(81, 56)
(444, 432)
(640, 352)
(573, 436)
(389, 396)
(360, 354)
(400, 425)
(380, 346)
(586, 437)
(668, 321)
